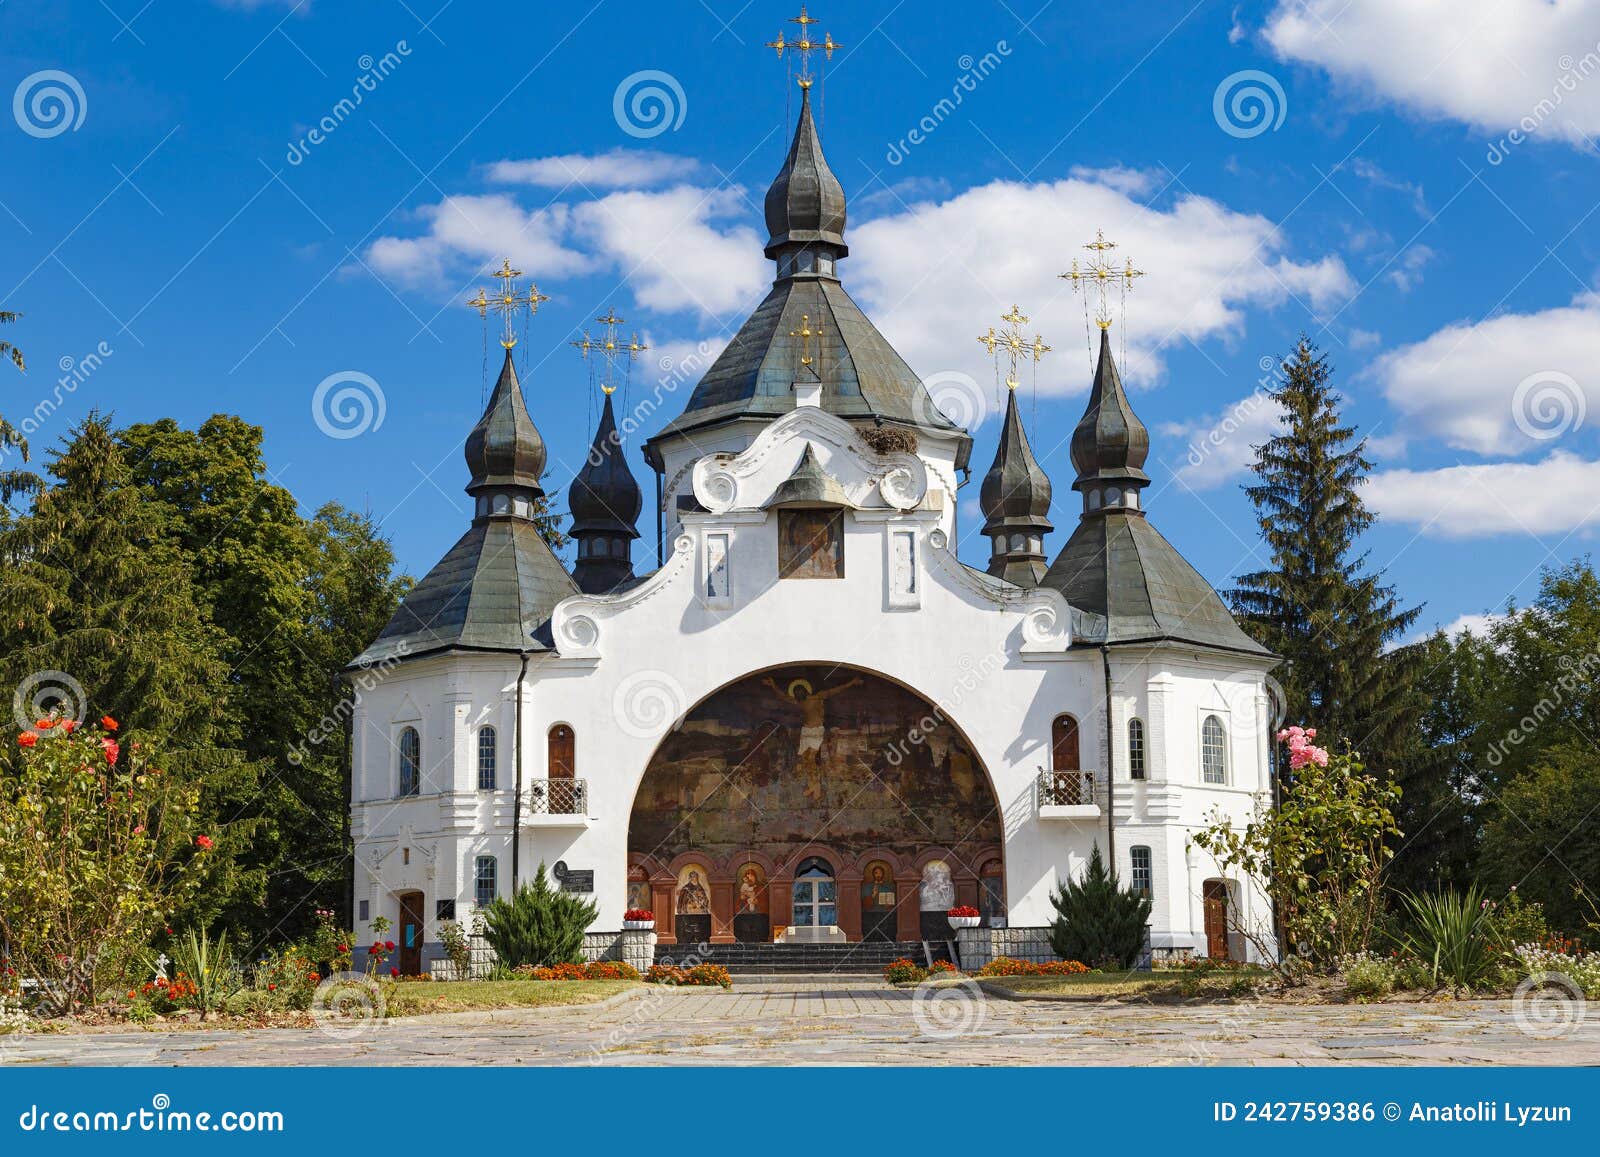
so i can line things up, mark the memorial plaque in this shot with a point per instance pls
(573, 879)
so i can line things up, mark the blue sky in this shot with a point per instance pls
(1420, 197)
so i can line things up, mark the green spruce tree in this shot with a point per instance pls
(1098, 923)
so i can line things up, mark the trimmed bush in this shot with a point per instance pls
(1097, 920)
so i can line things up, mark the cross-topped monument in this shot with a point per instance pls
(610, 348)
(508, 302)
(1102, 275)
(1011, 343)
(804, 45)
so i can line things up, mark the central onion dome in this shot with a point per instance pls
(805, 205)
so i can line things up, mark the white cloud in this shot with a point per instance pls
(1133, 182)
(1464, 382)
(1494, 64)
(1220, 447)
(934, 275)
(1406, 273)
(479, 230)
(619, 168)
(1478, 624)
(1553, 496)
(1361, 339)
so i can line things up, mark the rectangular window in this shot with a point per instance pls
(1142, 877)
(811, 544)
(444, 910)
(1136, 749)
(366, 909)
(486, 758)
(483, 882)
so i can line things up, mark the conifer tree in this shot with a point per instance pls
(1098, 923)
(1335, 623)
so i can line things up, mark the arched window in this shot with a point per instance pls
(1143, 879)
(487, 753)
(1136, 748)
(1213, 751)
(1064, 744)
(562, 758)
(410, 761)
(484, 883)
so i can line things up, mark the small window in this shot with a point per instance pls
(364, 911)
(1142, 878)
(484, 888)
(1136, 748)
(487, 742)
(410, 762)
(1213, 751)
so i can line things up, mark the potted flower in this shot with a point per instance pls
(963, 916)
(638, 919)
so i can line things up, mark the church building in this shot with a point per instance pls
(810, 722)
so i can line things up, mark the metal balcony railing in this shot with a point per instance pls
(1066, 789)
(558, 797)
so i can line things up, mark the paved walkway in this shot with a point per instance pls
(864, 1022)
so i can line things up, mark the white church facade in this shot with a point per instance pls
(811, 722)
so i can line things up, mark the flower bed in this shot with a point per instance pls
(595, 970)
(1006, 966)
(701, 975)
(905, 971)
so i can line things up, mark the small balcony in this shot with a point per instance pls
(557, 803)
(1068, 795)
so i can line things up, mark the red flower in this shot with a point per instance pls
(394, 972)
(111, 749)
(27, 739)
(205, 843)
(69, 725)
(108, 723)
(344, 948)
(388, 945)
(45, 724)
(272, 988)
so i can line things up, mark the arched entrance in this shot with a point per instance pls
(813, 797)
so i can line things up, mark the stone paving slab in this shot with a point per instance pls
(861, 1021)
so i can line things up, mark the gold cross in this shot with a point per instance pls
(1101, 274)
(610, 348)
(805, 333)
(1012, 341)
(508, 302)
(804, 45)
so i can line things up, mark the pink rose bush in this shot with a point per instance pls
(1301, 750)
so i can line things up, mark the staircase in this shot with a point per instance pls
(867, 956)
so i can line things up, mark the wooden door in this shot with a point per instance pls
(1064, 744)
(1216, 914)
(563, 755)
(411, 934)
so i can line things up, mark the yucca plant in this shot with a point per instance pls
(212, 972)
(539, 925)
(1449, 934)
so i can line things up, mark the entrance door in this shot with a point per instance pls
(815, 897)
(1216, 913)
(411, 931)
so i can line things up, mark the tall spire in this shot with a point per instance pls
(1110, 444)
(605, 503)
(505, 452)
(1015, 499)
(805, 206)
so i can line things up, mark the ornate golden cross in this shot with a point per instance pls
(508, 302)
(1102, 275)
(804, 45)
(805, 333)
(610, 348)
(1011, 340)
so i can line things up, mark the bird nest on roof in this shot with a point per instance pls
(890, 440)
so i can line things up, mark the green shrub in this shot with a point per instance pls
(1450, 934)
(1368, 977)
(539, 925)
(257, 1002)
(1098, 922)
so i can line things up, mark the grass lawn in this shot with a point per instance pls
(1135, 986)
(475, 995)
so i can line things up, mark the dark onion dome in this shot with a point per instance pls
(605, 502)
(805, 203)
(1116, 565)
(505, 448)
(1015, 500)
(497, 586)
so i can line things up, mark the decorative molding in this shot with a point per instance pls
(1046, 618)
(576, 622)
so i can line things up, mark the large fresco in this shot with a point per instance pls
(813, 755)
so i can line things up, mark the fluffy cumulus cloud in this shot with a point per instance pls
(467, 232)
(619, 168)
(1219, 448)
(1527, 65)
(1554, 496)
(929, 273)
(1509, 384)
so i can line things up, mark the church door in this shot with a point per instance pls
(816, 897)
(1216, 914)
(411, 933)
